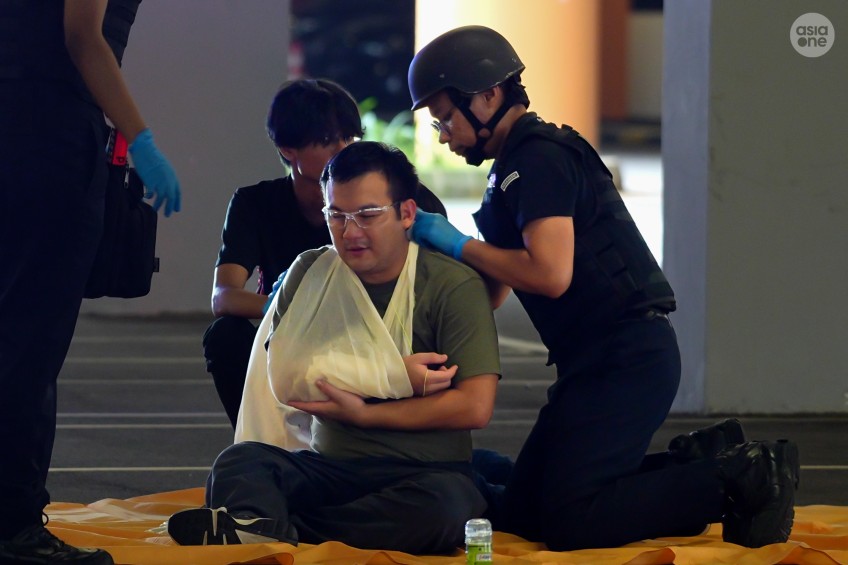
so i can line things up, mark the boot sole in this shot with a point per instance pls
(99, 558)
(203, 526)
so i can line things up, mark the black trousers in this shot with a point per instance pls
(393, 504)
(582, 479)
(226, 346)
(52, 186)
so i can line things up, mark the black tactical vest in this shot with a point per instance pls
(614, 274)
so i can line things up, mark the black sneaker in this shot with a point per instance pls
(37, 545)
(207, 526)
(707, 442)
(761, 478)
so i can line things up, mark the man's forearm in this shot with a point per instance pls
(469, 406)
(97, 65)
(237, 302)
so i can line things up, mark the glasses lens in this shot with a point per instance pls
(436, 126)
(363, 218)
(367, 217)
(334, 217)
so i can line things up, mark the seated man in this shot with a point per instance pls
(269, 223)
(391, 474)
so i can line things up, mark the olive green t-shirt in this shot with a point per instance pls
(453, 316)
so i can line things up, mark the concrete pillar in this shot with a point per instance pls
(756, 205)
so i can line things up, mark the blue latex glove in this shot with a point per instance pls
(434, 230)
(156, 173)
(273, 294)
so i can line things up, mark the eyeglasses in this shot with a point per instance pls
(445, 124)
(364, 218)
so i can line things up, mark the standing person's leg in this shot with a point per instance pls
(420, 511)
(567, 487)
(227, 344)
(51, 217)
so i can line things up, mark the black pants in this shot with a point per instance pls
(226, 346)
(52, 185)
(582, 479)
(371, 504)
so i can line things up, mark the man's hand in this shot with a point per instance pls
(434, 230)
(340, 405)
(425, 380)
(156, 173)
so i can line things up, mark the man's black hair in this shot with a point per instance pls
(364, 157)
(514, 91)
(307, 111)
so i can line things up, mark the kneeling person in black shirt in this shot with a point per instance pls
(270, 223)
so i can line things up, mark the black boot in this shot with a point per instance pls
(760, 482)
(707, 442)
(37, 545)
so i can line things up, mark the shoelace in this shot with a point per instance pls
(45, 535)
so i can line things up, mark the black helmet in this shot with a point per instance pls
(469, 59)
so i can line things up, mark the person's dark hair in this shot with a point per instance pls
(514, 92)
(307, 111)
(364, 157)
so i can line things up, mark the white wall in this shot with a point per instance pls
(756, 186)
(203, 73)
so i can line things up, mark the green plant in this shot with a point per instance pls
(443, 172)
(399, 131)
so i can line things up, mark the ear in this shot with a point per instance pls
(288, 153)
(484, 104)
(493, 96)
(407, 212)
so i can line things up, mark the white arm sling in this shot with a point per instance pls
(330, 330)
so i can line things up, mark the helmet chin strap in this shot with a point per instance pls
(475, 155)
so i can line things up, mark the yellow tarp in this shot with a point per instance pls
(820, 537)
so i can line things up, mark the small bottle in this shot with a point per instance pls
(478, 541)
